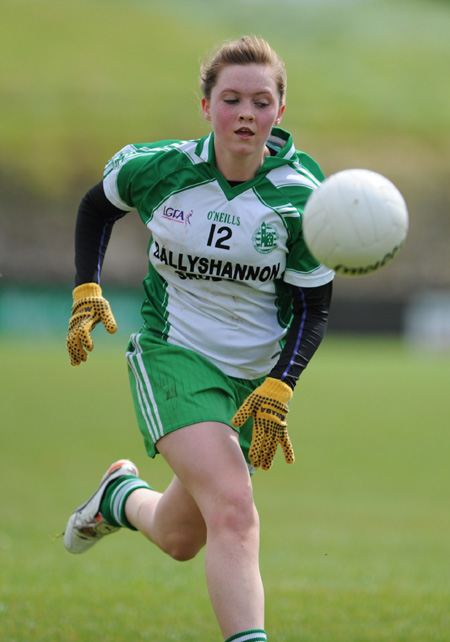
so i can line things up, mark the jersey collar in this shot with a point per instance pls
(279, 140)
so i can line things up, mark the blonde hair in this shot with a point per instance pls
(246, 50)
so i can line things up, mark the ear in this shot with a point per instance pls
(280, 115)
(206, 107)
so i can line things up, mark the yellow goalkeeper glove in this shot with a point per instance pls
(268, 405)
(89, 308)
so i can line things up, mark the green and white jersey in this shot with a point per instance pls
(222, 259)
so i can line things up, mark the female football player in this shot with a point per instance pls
(234, 308)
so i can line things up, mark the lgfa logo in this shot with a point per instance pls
(173, 214)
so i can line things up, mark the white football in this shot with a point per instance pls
(355, 222)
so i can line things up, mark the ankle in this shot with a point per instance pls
(253, 635)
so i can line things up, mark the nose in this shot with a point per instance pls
(246, 114)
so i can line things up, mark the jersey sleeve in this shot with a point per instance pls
(95, 220)
(120, 165)
(295, 187)
(128, 175)
(309, 323)
(303, 270)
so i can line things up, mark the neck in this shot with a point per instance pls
(237, 167)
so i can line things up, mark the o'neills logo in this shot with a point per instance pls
(179, 216)
(223, 217)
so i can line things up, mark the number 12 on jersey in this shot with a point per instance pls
(218, 237)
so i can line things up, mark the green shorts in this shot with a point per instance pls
(173, 387)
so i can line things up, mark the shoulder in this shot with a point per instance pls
(290, 178)
(290, 170)
(143, 163)
(140, 154)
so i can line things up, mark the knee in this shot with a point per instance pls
(235, 513)
(183, 546)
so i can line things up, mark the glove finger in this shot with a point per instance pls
(254, 454)
(243, 413)
(75, 349)
(77, 357)
(254, 458)
(269, 448)
(84, 333)
(108, 320)
(288, 450)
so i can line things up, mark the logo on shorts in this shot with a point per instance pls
(265, 238)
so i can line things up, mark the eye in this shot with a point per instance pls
(262, 105)
(231, 101)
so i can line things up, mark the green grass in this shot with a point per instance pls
(84, 78)
(355, 535)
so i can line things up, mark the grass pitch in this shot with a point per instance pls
(355, 535)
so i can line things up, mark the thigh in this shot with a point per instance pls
(208, 460)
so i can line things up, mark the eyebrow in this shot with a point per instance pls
(257, 93)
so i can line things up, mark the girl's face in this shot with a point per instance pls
(243, 107)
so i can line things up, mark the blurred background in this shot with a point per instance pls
(363, 516)
(367, 87)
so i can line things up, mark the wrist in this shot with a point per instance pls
(86, 290)
(278, 389)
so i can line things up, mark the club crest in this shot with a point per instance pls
(265, 238)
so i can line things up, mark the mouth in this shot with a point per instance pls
(244, 132)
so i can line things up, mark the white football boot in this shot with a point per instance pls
(86, 525)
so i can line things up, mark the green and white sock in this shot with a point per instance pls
(254, 635)
(112, 506)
